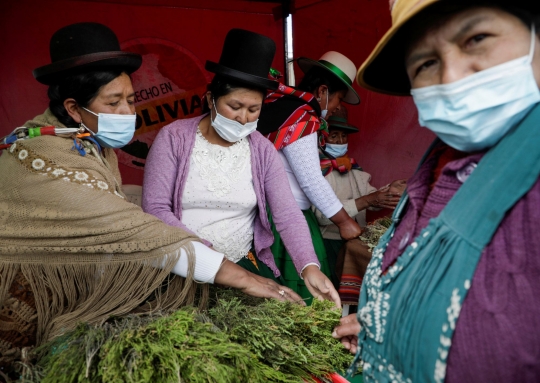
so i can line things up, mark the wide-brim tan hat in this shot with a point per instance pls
(384, 69)
(340, 65)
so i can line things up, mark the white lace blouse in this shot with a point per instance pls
(219, 201)
(303, 167)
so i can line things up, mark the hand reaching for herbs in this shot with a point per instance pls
(347, 332)
(232, 275)
(319, 285)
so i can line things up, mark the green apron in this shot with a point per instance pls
(257, 267)
(285, 264)
(332, 248)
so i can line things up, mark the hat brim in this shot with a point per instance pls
(127, 61)
(384, 70)
(347, 127)
(246, 78)
(306, 64)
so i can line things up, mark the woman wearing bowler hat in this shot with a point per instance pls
(215, 175)
(452, 293)
(72, 249)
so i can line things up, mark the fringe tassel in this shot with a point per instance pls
(91, 289)
(7, 275)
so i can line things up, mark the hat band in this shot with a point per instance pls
(338, 72)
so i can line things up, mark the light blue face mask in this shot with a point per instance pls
(475, 112)
(114, 130)
(336, 150)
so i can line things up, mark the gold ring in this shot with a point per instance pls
(282, 293)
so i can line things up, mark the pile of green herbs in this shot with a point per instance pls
(374, 231)
(237, 339)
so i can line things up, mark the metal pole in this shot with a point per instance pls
(288, 39)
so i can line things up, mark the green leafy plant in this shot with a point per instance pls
(236, 339)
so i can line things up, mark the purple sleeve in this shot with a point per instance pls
(288, 218)
(160, 174)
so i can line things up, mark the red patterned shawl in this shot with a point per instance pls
(303, 120)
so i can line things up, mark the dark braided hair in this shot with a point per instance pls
(83, 87)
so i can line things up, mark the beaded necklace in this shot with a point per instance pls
(79, 135)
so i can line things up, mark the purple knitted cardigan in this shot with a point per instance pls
(497, 337)
(165, 175)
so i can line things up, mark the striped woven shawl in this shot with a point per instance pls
(288, 115)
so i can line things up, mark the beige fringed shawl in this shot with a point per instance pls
(86, 253)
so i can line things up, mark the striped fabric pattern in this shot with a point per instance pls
(328, 163)
(302, 122)
(349, 288)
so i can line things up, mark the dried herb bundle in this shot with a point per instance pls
(374, 231)
(238, 339)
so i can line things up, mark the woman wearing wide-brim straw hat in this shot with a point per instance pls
(293, 120)
(216, 176)
(453, 291)
(72, 248)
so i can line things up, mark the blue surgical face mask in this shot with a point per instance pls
(114, 130)
(475, 112)
(336, 150)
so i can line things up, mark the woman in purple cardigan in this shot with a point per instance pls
(214, 175)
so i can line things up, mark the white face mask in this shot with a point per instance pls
(114, 130)
(475, 112)
(231, 130)
(336, 150)
(324, 112)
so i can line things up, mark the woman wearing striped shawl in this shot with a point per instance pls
(294, 121)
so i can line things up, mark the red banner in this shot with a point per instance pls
(168, 86)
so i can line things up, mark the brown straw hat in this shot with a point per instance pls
(384, 69)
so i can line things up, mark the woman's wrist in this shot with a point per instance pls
(307, 269)
(232, 275)
(374, 202)
(364, 202)
(340, 218)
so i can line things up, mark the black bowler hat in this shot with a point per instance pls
(247, 57)
(83, 46)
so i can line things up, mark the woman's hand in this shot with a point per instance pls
(398, 187)
(266, 288)
(319, 285)
(387, 197)
(348, 228)
(232, 275)
(383, 198)
(347, 332)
